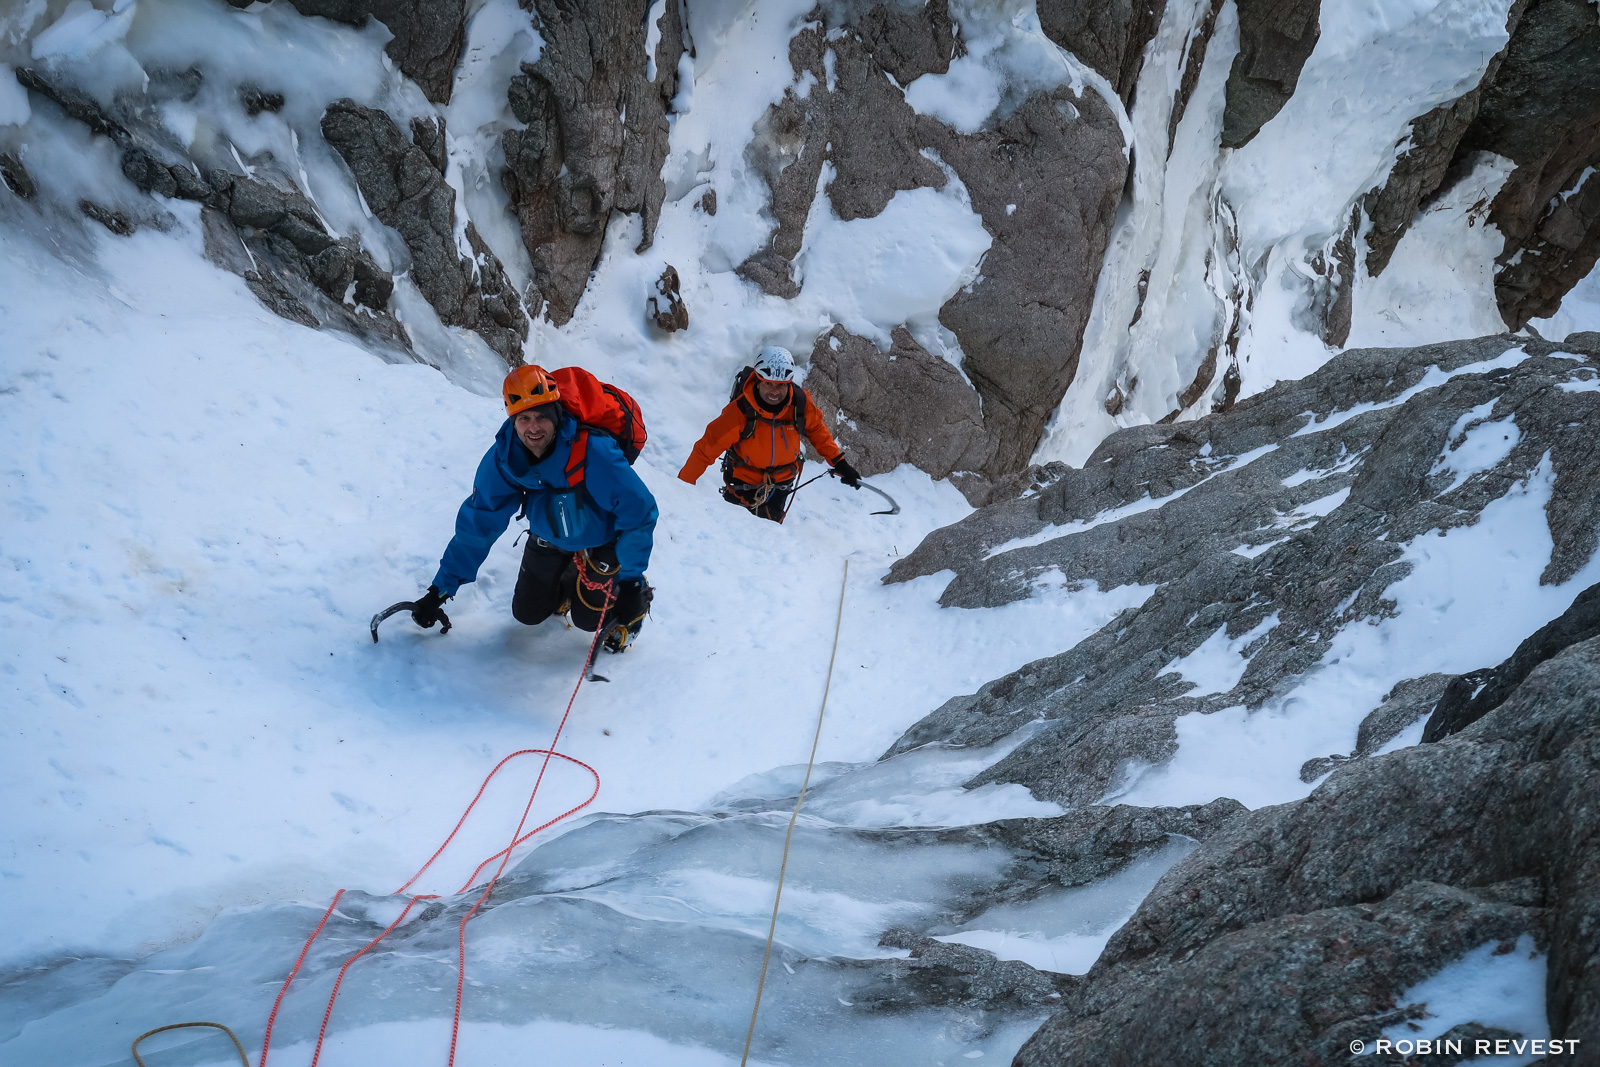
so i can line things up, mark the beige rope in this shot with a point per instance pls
(180, 1026)
(783, 867)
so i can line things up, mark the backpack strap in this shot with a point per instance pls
(578, 456)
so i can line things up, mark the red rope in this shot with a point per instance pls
(461, 970)
(504, 856)
(266, 1042)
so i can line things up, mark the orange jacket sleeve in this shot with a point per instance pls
(720, 435)
(817, 432)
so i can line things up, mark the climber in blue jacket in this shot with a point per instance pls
(590, 519)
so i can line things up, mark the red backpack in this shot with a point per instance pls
(599, 408)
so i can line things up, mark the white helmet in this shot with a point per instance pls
(775, 364)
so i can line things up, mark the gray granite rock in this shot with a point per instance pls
(16, 176)
(1047, 177)
(406, 191)
(1403, 706)
(1461, 705)
(593, 139)
(1294, 929)
(900, 406)
(426, 40)
(1202, 512)
(1107, 35)
(1275, 40)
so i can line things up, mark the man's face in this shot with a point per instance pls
(772, 392)
(536, 429)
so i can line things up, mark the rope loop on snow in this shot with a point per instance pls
(237, 1047)
(783, 867)
(518, 836)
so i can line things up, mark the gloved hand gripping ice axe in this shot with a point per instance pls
(411, 605)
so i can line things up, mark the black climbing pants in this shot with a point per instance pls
(549, 578)
(747, 496)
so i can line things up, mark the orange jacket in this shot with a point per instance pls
(775, 445)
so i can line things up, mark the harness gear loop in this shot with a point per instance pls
(783, 867)
(237, 1047)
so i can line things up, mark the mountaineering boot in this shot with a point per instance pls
(633, 604)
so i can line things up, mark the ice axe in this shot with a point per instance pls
(894, 508)
(404, 605)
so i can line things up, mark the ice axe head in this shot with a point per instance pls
(404, 605)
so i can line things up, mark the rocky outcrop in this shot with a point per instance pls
(1109, 36)
(16, 176)
(853, 116)
(1296, 929)
(1275, 40)
(1021, 323)
(266, 231)
(427, 35)
(901, 406)
(1470, 697)
(1402, 707)
(666, 309)
(1046, 178)
(1542, 111)
(401, 182)
(1424, 165)
(1269, 528)
(593, 139)
(1537, 105)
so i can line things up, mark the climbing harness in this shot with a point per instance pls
(237, 1047)
(504, 856)
(783, 866)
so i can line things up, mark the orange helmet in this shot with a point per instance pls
(528, 387)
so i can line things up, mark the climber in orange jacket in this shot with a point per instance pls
(759, 436)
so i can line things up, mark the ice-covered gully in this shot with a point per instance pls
(1389, 908)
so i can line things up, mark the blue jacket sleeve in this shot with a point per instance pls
(479, 523)
(617, 489)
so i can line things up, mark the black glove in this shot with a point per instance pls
(425, 611)
(847, 474)
(632, 600)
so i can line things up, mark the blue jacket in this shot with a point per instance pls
(612, 505)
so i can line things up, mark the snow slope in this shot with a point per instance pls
(206, 505)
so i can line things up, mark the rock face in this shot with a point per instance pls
(1108, 36)
(1296, 928)
(1542, 111)
(1538, 105)
(1274, 535)
(403, 185)
(428, 35)
(904, 406)
(1046, 178)
(1423, 167)
(593, 140)
(262, 228)
(1471, 697)
(1275, 40)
